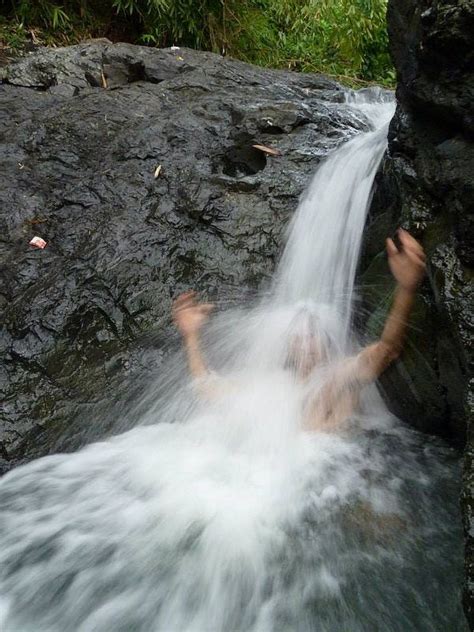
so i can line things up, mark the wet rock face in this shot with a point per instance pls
(426, 183)
(84, 131)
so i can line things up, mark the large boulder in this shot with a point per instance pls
(426, 183)
(137, 166)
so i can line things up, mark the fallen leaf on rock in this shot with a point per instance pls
(180, 58)
(268, 150)
(36, 220)
(37, 242)
(157, 171)
(104, 80)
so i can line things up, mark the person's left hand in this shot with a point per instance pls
(407, 263)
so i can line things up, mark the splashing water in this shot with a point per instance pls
(220, 513)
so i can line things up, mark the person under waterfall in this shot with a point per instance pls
(308, 346)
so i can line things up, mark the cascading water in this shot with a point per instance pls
(223, 514)
(322, 252)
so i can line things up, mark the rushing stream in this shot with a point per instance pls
(223, 514)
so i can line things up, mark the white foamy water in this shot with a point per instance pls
(224, 514)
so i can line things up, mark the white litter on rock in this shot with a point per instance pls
(38, 242)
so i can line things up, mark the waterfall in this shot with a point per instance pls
(320, 259)
(223, 514)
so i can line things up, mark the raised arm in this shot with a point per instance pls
(407, 264)
(189, 316)
(339, 397)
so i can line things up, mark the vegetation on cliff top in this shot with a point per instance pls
(345, 38)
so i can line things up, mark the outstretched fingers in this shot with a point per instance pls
(410, 244)
(412, 249)
(391, 247)
(186, 296)
(185, 300)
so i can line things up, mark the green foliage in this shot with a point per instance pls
(13, 36)
(346, 38)
(167, 22)
(340, 37)
(53, 23)
(42, 12)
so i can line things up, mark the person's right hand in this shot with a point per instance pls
(189, 315)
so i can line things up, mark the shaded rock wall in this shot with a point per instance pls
(83, 130)
(426, 183)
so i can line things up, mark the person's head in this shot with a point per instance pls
(308, 343)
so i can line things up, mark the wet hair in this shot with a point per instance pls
(304, 322)
(305, 329)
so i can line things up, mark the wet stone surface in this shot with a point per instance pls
(86, 320)
(426, 183)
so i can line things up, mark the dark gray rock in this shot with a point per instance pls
(426, 184)
(86, 321)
